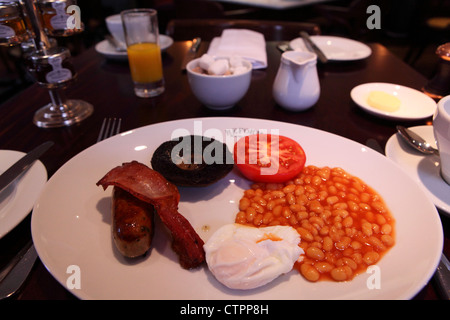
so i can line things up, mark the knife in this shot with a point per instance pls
(19, 272)
(192, 53)
(23, 164)
(312, 46)
(442, 276)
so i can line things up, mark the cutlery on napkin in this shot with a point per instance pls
(247, 44)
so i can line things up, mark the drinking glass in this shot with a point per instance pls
(144, 53)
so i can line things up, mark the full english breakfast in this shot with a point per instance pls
(324, 222)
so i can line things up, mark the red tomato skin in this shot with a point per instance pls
(253, 171)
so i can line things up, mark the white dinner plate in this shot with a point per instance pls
(17, 199)
(414, 105)
(425, 169)
(335, 48)
(71, 228)
(107, 50)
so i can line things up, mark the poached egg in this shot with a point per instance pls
(244, 257)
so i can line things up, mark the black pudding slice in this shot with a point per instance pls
(193, 161)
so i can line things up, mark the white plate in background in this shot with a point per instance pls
(335, 48)
(17, 199)
(414, 105)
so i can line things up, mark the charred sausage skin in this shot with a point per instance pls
(132, 226)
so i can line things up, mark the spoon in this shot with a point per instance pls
(116, 45)
(416, 141)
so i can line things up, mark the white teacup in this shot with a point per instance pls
(441, 125)
(115, 27)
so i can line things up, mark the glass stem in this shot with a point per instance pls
(58, 100)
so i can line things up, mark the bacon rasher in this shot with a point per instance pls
(150, 186)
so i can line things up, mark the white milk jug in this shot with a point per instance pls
(296, 86)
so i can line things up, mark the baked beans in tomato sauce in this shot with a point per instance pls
(343, 223)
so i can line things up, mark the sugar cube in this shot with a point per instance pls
(236, 61)
(239, 70)
(205, 61)
(218, 67)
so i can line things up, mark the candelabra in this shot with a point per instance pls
(30, 23)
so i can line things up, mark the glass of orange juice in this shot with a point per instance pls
(144, 54)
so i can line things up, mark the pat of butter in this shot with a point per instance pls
(383, 101)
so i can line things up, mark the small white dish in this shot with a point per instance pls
(218, 92)
(335, 48)
(425, 169)
(17, 199)
(414, 105)
(107, 50)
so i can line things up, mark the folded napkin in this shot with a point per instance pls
(248, 44)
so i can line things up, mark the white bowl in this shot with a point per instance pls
(218, 92)
(115, 27)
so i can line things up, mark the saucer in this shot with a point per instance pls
(415, 105)
(17, 199)
(425, 169)
(107, 50)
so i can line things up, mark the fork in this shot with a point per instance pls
(110, 127)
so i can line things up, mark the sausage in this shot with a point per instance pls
(132, 226)
(151, 187)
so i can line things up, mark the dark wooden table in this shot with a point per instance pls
(107, 85)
